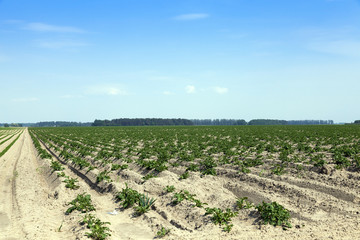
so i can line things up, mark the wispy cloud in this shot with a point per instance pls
(105, 90)
(191, 16)
(220, 90)
(167, 93)
(69, 96)
(342, 47)
(32, 99)
(43, 27)
(190, 89)
(56, 44)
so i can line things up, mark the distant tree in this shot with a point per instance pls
(357, 122)
(61, 124)
(310, 122)
(267, 122)
(240, 122)
(218, 122)
(6, 125)
(143, 122)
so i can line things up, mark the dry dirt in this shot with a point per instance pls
(33, 201)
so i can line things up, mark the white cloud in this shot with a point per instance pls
(43, 27)
(190, 89)
(33, 99)
(60, 44)
(221, 90)
(342, 47)
(191, 16)
(105, 90)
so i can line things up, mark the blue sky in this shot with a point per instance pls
(240, 59)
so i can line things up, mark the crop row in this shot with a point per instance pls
(11, 143)
(204, 148)
(207, 150)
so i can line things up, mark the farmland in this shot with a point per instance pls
(280, 182)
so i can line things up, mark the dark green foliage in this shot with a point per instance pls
(98, 229)
(193, 167)
(207, 167)
(81, 203)
(318, 160)
(267, 122)
(274, 214)
(221, 217)
(341, 161)
(115, 167)
(144, 204)
(56, 166)
(169, 188)
(278, 169)
(128, 197)
(182, 195)
(71, 183)
(148, 176)
(185, 175)
(185, 195)
(61, 174)
(104, 175)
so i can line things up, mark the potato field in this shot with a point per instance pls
(194, 182)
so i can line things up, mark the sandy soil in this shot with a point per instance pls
(324, 204)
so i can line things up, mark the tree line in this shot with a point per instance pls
(203, 122)
(218, 122)
(143, 122)
(61, 124)
(171, 122)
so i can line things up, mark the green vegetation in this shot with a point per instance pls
(128, 197)
(205, 148)
(274, 214)
(265, 151)
(182, 195)
(9, 146)
(144, 204)
(98, 229)
(169, 188)
(81, 203)
(56, 166)
(162, 232)
(115, 167)
(71, 183)
(186, 195)
(244, 203)
(222, 217)
(185, 175)
(103, 176)
(148, 176)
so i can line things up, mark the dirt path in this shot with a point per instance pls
(26, 211)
